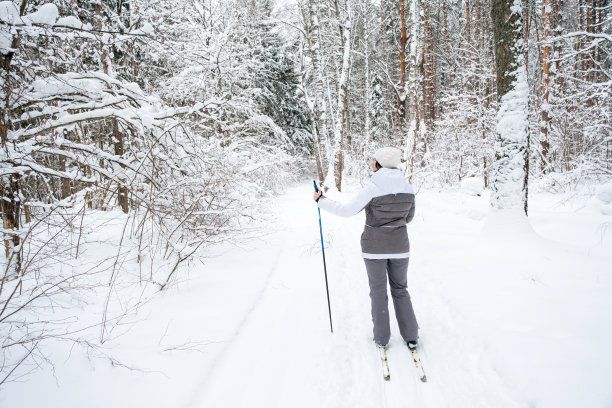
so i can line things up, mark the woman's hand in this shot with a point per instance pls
(317, 195)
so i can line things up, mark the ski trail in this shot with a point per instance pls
(284, 355)
(227, 350)
(266, 362)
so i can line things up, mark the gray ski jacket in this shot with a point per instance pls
(388, 200)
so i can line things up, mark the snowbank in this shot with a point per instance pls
(473, 185)
(604, 193)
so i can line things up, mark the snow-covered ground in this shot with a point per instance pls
(514, 318)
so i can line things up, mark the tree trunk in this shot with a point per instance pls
(599, 19)
(10, 189)
(468, 32)
(401, 103)
(428, 69)
(581, 41)
(122, 190)
(383, 44)
(411, 138)
(447, 42)
(319, 104)
(557, 31)
(545, 106)
(477, 32)
(368, 90)
(65, 182)
(311, 102)
(336, 166)
(10, 185)
(117, 136)
(589, 56)
(510, 172)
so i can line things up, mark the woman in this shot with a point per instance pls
(388, 200)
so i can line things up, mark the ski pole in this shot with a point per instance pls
(324, 266)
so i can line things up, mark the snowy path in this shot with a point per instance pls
(507, 321)
(286, 356)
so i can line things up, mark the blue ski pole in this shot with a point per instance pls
(324, 266)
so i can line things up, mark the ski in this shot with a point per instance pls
(382, 352)
(417, 363)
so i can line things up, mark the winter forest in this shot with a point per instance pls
(144, 142)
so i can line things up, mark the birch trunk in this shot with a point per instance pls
(320, 85)
(401, 102)
(334, 173)
(312, 102)
(413, 99)
(368, 90)
(468, 31)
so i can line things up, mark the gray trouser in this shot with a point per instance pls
(397, 270)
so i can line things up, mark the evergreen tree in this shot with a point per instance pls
(278, 82)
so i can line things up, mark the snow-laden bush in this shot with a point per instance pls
(96, 126)
(604, 193)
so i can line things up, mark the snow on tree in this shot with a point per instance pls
(511, 167)
(159, 111)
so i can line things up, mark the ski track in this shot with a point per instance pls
(227, 350)
(284, 355)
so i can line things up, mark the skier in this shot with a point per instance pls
(388, 200)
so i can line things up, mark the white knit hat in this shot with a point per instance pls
(388, 157)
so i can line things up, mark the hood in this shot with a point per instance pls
(391, 181)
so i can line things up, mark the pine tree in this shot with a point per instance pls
(278, 82)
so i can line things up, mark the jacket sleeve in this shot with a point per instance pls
(356, 204)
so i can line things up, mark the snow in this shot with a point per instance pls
(70, 21)
(6, 40)
(147, 28)
(473, 185)
(46, 14)
(513, 318)
(604, 193)
(512, 115)
(511, 142)
(9, 12)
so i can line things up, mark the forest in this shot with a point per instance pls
(181, 119)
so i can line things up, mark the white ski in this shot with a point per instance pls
(417, 363)
(382, 352)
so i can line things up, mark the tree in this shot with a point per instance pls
(511, 167)
(545, 62)
(277, 81)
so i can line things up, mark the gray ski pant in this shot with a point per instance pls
(397, 270)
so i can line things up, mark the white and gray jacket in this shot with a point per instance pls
(388, 200)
